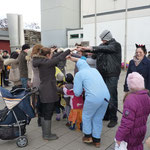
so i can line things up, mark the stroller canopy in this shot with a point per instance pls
(9, 99)
(20, 100)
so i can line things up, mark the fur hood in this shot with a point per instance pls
(39, 60)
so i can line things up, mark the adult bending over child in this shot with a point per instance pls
(90, 80)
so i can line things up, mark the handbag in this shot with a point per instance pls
(14, 75)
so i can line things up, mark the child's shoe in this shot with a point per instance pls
(87, 139)
(68, 124)
(72, 127)
(58, 117)
(96, 144)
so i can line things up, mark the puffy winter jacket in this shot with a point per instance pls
(133, 123)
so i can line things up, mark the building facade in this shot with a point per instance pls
(61, 18)
(75, 36)
(4, 40)
(110, 14)
(56, 18)
(31, 37)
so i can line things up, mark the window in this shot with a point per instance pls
(81, 35)
(74, 36)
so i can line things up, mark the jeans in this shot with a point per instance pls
(111, 112)
(24, 82)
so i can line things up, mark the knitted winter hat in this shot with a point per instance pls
(106, 35)
(135, 81)
(25, 46)
(14, 55)
(60, 76)
(69, 78)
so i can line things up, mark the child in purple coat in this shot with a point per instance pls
(135, 113)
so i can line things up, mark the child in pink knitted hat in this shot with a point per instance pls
(136, 110)
(135, 82)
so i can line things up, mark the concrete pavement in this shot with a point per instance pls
(68, 140)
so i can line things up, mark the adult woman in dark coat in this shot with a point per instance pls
(141, 64)
(48, 90)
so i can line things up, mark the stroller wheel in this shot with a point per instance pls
(22, 141)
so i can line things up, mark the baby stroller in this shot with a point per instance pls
(16, 115)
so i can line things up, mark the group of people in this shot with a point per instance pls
(90, 89)
(137, 100)
(4, 69)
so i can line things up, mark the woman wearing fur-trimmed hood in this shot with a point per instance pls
(47, 89)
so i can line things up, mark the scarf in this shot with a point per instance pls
(136, 61)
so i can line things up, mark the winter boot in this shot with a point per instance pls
(46, 130)
(112, 124)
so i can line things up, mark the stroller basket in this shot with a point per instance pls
(9, 132)
(16, 115)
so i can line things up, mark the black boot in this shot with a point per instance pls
(112, 124)
(46, 130)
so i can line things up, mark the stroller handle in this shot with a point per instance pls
(30, 90)
(17, 89)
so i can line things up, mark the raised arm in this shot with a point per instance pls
(53, 61)
(10, 61)
(111, 48)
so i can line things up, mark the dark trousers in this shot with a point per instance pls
(111, 112)
(47, 110)
(5, 76)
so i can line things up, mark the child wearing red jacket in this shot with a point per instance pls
(76, 103)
